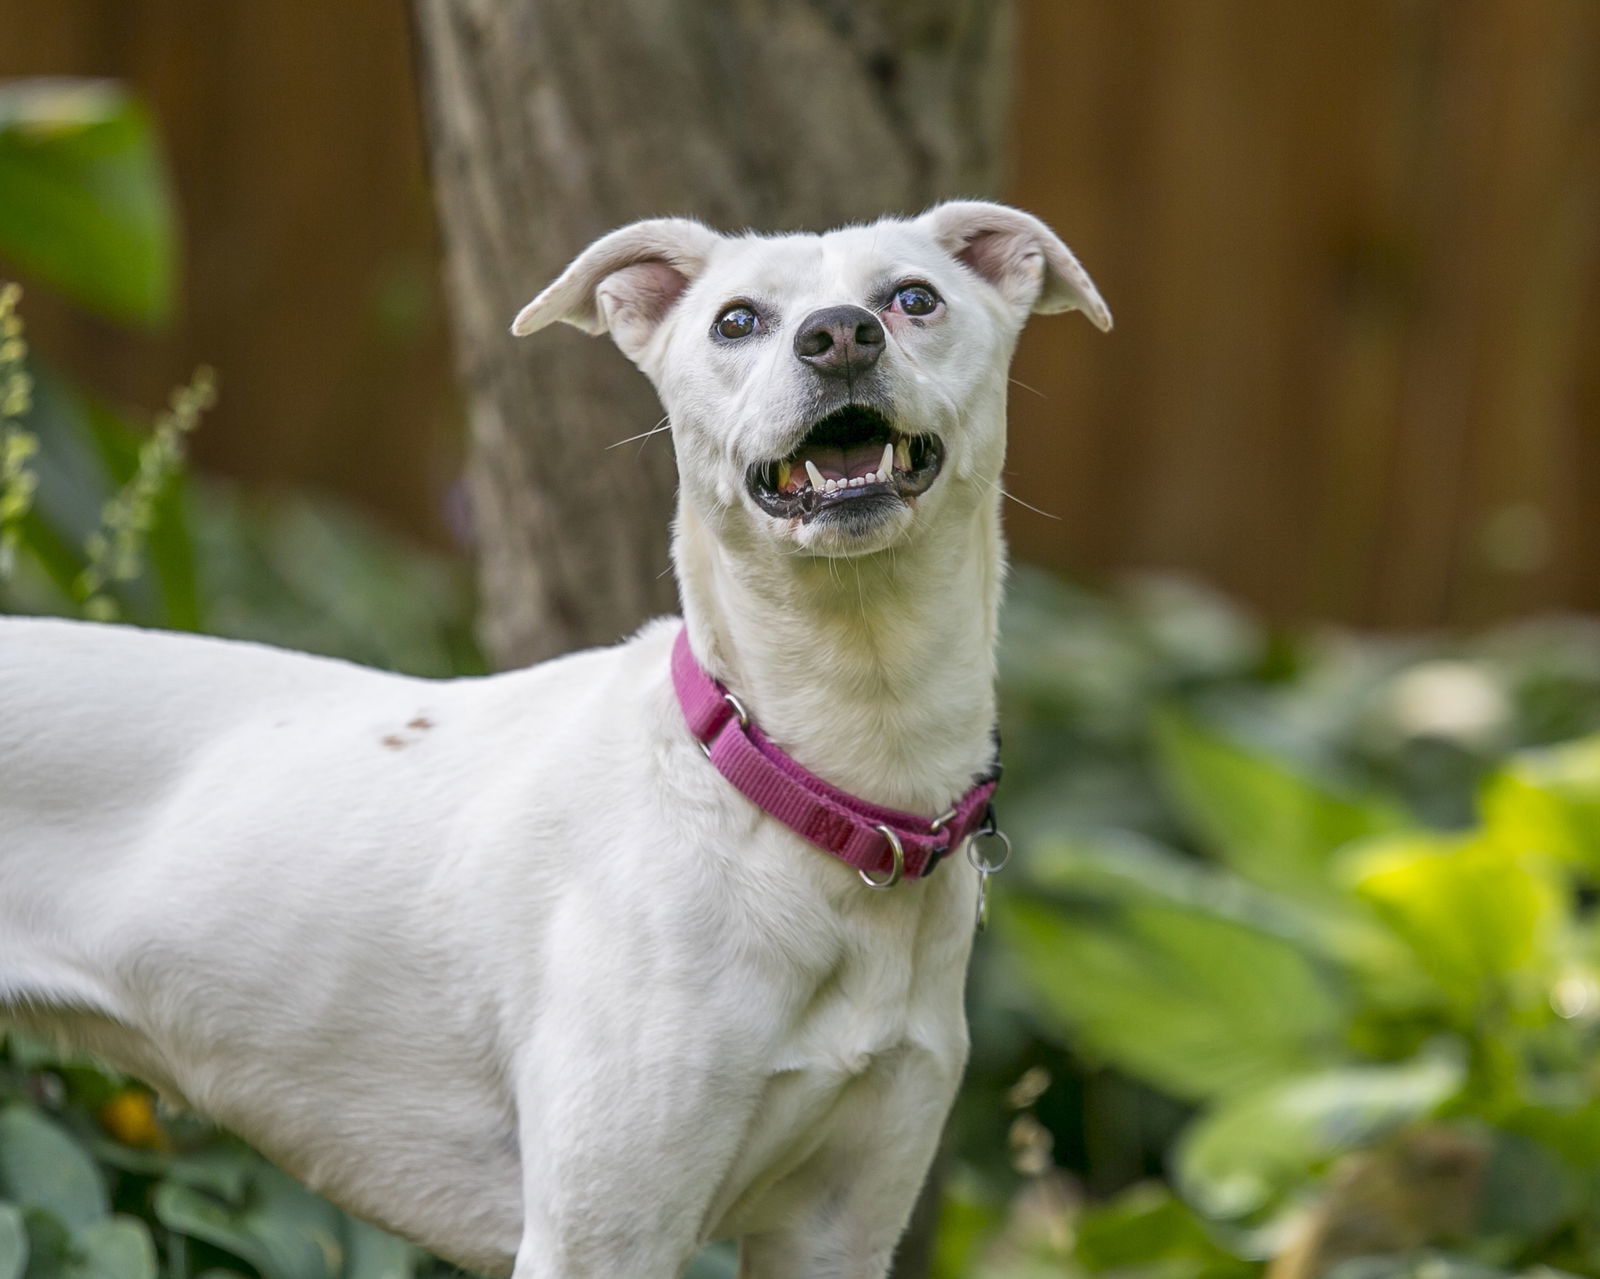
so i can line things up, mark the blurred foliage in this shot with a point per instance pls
(114, 550)
(286, 568)
(1297, 973)
(1310, 923)
(17, 445)
(87, 208)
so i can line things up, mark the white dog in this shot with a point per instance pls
(509, 965)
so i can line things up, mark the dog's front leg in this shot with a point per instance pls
(864, 1183)
(605, 1194)
(627, 1123)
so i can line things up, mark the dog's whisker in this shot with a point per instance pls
(663, 425)
(1049, 515)
(1026, 387)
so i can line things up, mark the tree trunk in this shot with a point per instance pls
(552, 121)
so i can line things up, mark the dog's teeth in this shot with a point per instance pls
(902, 455)
(886, 466)
(858, 481)
(817, 482)
(784, 471)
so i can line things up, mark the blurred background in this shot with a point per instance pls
(1352, 250)
(1297, 972)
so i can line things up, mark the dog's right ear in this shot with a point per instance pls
(1019, 256)
(625, 282)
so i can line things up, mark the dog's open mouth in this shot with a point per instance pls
(851, 455)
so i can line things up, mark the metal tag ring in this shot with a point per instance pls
(977, 863)
(894, 876)
(738, 709)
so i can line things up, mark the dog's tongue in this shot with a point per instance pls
(834, 463)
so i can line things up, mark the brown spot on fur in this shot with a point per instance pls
(395, 743)
(422, 724)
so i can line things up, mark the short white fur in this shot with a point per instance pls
(504, 964)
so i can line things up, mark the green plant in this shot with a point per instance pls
(94, 1186)
(115, 548)
(17, 446)
(1349, 1000)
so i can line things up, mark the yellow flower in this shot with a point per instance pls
(130, 1117)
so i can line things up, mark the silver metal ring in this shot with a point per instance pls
(978, 864)
(938, 823)
(899, 851)
(738, 709)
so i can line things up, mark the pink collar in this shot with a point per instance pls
(881, 843)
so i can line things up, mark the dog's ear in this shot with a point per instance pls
(625, 282)
(1019, 255)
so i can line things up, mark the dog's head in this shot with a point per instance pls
(827, 392)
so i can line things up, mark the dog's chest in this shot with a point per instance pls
(880, 1029)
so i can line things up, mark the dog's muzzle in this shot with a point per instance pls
(853, 458)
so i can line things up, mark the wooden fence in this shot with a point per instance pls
(1353, 249)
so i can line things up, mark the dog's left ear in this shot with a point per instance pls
(1020, 256)
(625, 282)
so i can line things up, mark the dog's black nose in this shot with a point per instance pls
(840, 341)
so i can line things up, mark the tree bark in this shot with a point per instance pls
(552, 121)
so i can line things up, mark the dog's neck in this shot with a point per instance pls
(876, 673)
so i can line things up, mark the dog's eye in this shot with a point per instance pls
(917, 299)
(735, 323)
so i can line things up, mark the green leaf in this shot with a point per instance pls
(49, 1245)
(1527, 1191)
(967, 1217)
(719, 1261)
(225, 1171)
(1268, 822)
(371, 1253)
(1192, 995)
(1148, 1231)
(42, 1167)
(282, 1229)
(86, 205)
(1243, 1155)
(1548, 801)
(1483, 921)
(13, 1242)
(1571, 1130)
(119, 1248)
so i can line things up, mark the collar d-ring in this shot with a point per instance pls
(899, 868)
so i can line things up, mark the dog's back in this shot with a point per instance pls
(97, 725)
